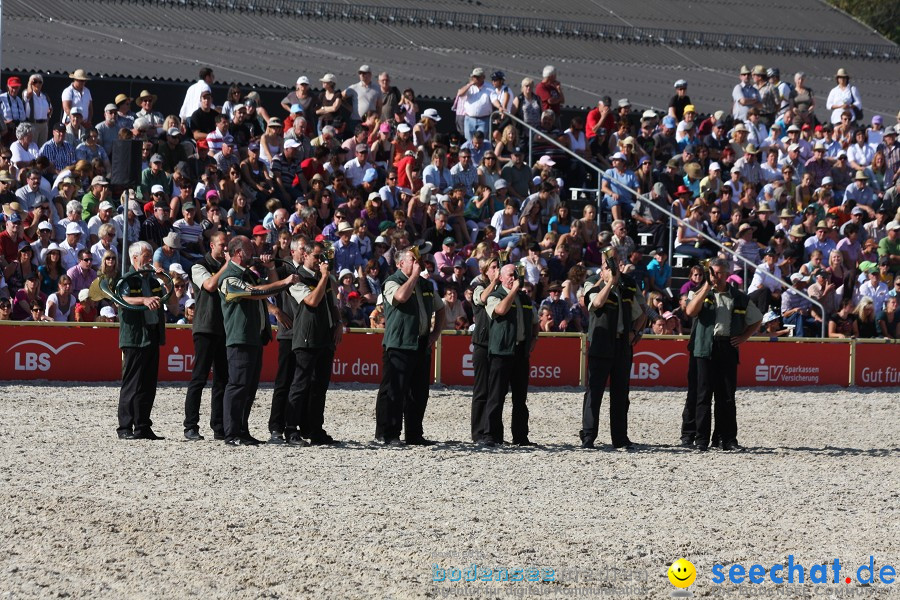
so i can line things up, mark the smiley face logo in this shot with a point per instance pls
(682, 573)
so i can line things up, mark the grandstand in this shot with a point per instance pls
(619, 48)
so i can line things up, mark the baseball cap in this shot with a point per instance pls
(157, 189)
(449, 241)
(71, 228)
(156, 158)
(291, 143)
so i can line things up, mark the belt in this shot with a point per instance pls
(721, 338)
(40, 121)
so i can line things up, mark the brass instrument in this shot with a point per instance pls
(118, 293)
(503, 255)
(520, 273)
(328, 248)
(609, 257)
(233, 292)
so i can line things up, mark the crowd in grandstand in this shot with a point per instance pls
(797, 181)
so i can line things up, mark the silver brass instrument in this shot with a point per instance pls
(120, 290)
(328, 247)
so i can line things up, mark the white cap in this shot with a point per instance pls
(303, 79)
(190, 303)
(107, 205)
(45, 226)
(83, 294)
(827, 181)
(157, 189)
(108, 312)
(735, 169)
(618, 156)
(793, 147)
(403, 128)
(291, 143)
(714, 166)
(547, 161)
(73, 228)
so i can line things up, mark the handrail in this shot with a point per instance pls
(664, 209)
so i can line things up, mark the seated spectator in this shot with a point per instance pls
(453, 307)
(873, 288)
(865, 317)
(61, 305)
(659, 273)
(86, 309)
(352, 314)
(694, 281)
(107, 315)
(825, 292)
(545, 319)
(169, 252)
(889, 319)
(843, 323)
(559, 308)
(796, 310)
(771, 326)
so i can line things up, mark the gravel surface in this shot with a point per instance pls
(86, 515)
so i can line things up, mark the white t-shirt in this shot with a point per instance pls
(81, 99)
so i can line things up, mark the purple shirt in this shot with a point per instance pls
(81, 280)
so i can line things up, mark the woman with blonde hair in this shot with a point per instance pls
(527, 105)
(509, 139)
(865, 317)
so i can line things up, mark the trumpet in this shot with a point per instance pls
(609, 255)
(118, 293)
(328, 248)
(520, 273)
(503, 255)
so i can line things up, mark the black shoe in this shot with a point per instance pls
(323, 440)
(235, 442)
(486, 443)
(275, 438)
(125, 435)
(192, 435)
(687, 443)
(701, 448)
(148, 435)
(525, 442)
(732, 447)
(588, 445)
(629, 447)
(251, 441)
(218, 436)
(420, 442)
(295, 439)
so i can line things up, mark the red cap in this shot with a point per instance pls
(13, 82)
(320, 238)
(352, 295)
(203, 144)
(805, 127)
(818, 128)
(683, 190)
(260, 230)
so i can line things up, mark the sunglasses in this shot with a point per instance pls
(86, 259)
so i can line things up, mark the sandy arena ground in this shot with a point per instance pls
(86, 515)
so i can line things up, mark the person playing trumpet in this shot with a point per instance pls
(409, 336)
(511, 339)
(247, 330)
(617, 317)
(141, 332)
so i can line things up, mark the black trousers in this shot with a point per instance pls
(139, 374)
(507, 373)
(481, 362)
(284, 378)
(306, 402)
(244, 365)
(717, 375)
(403, 393)
(209, 351)
(618, 370)
(689, 414)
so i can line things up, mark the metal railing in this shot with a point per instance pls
(663, 209)
(473, 20)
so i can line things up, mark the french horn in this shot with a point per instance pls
(119, 291)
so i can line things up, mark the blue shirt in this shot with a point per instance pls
(617, 183)
(660, 274)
